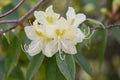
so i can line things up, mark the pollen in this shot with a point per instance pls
(60, 32)
(40, 34)
(49, 19)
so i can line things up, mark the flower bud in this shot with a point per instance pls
(116, 4)
(89, 7)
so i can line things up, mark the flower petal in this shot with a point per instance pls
(62, 21)
(80, 35)
(50, 30)
(49, 12)
(40, 17)
(70, 13)
(34, 48)
(29, 30)
(79, 19)
(49, 9)
(51, 48)
(69, 47)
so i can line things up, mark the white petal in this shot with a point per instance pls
(30, 33)
(40, 17)
(62, 22)
(70, 13)
(69, 47)
(34, 48)
(50, 30)
(79, 19)
(80, 35)
(71, 33)
(50, 12)
(49, 9)
(51, 48)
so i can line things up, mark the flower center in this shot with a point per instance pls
(40, 34)
(49, 19)
(60, 32)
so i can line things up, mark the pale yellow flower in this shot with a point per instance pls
(36, 33)
(49, 17)
(64, 39)
(51, 34)
(73, 18)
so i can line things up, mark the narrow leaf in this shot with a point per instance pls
(101, 43)
(116, 33)
(102, 46)
(51, 68)
(94, 23)
(17, 73)
(13, 54)
(7, 36)
(66, 66)
(34, 65)
(52, 71)
(83, 63)
(2, 68)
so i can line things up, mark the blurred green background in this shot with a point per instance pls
(102, 52)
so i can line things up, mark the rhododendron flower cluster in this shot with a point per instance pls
(51, 33)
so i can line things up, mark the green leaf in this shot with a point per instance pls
(34, 65)
(7, 36)
(66, 66)
(17, 73)
(51, 68)
(4, 42)
(2, 68)
(102, 46)
(13, 54)
(59, 75)
(101, 35)
(52, 71)
(116, 33)
(79, 58)
(94, 23)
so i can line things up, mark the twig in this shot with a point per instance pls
(19, 21)
(41, 2)
(14, 26)
(107, 27)
(12, 10)
(8, 21)
(112, 26)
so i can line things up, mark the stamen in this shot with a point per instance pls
(59, 32)
(25, 48)
(62, 56)
(30, 22)
(90, 35)
(49, 19)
